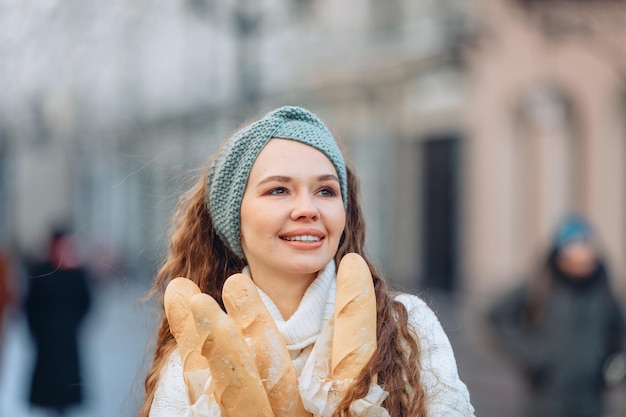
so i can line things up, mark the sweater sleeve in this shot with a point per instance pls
(446, 394)
(170, 398)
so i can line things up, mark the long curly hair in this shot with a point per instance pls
(197, 253)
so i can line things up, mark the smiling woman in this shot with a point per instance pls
(292, 218)
(274, 235)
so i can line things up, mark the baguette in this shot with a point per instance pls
(235, 384)
(354, 335)
(183, 327)
(279, 377)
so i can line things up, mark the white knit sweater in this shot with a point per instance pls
(447, 394)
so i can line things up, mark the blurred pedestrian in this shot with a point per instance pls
(58, 299)
(564, 326)
(6, 291)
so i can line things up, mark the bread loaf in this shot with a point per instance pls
(235, 385)
(354, 335)
(183, 327)
(244, 304)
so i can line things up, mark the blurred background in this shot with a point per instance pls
(474, 125)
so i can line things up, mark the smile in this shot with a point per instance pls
(305, 238)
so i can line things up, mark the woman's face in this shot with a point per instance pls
(292, 214)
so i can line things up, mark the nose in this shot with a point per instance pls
(304, 208)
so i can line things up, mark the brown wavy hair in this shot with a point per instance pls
(196, 252)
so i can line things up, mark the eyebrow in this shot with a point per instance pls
(285, 179)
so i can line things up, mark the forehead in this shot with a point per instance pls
(286, 153)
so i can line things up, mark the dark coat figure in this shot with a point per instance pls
(563, 328)
(6, 293)
(57, 301)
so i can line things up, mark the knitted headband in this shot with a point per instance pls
(230, 169)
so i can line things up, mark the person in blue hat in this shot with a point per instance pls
(279, 204)
(565, 327)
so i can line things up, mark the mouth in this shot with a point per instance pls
(301, 238)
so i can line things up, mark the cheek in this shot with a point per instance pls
(260, 221)
(339, 223)
(246, 218)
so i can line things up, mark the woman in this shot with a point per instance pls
(279, 201)
(564, 326)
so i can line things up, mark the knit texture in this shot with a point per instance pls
(230, 169)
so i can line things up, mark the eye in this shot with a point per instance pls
(277, 191)
(327, 192)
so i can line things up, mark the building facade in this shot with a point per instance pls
(547, 132)
(472, 125)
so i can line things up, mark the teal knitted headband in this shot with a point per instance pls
(229, 171)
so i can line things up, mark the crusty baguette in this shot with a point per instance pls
(183, 327)
(354, 335)
(245, 306)
(236, 384)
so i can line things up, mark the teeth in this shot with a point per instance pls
(306, 238)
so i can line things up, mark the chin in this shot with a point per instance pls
(308, 266)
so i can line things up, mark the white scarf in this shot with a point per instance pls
(302, 329)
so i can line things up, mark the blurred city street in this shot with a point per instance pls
(474, 128)
(119, 329)
(115, 339)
